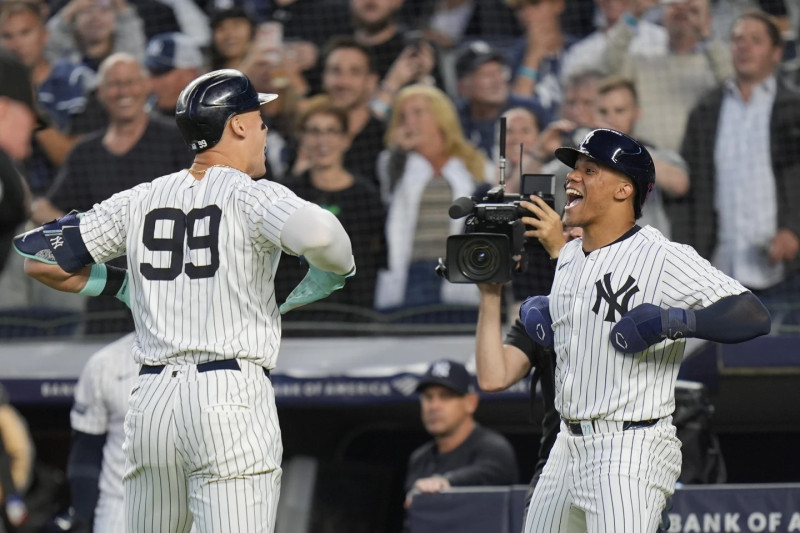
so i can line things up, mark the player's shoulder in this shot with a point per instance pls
(671, 249)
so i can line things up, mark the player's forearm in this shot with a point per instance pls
(489, 362)
(53, 276)
(319, 236)
(733, 319)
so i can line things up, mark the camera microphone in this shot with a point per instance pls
(461, 207)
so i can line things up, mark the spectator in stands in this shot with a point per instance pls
(133, 148)
(16, 464)
(670, 84)
(88, 31)
(355, 202)
(61, 89)
(615, 15)
(61, 86)
(428, 165)
(259, 52)
(522, 132)
(447, 24)
(350, 77)
(96, 462)
(483, 85)
(618, 108)
(578, 115)
(314, 21)
(536, 57)
(462, 451)
(173, 60)
(399, 62)
(741, 147)
(232, 32)
(16, 126)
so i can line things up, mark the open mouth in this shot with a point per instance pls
(574, 197)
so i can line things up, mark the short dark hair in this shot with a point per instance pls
(218, 17)
(773, 30)
(346, 42)
(612, 83)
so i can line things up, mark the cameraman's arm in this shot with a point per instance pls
(498, 365)
(547, 226)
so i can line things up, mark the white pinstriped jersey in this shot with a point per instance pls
(101, 401)
(201, 260)
(590, 292)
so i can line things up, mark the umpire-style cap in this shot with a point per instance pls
(620, 152)
(448, 374)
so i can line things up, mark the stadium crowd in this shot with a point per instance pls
(389, 110)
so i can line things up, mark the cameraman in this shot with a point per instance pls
(501, 363)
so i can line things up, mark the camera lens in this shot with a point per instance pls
(479, 260)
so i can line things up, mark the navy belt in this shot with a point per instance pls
(225, 364)
(576, 428)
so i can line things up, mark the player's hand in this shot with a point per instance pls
(317, 284)
(535, 316)
(648, 324)
(546, 225)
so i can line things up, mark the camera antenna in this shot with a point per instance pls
(502, 161)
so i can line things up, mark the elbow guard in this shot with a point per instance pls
(57, 242)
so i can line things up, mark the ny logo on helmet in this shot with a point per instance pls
(605, 292)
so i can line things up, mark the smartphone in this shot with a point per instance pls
(413, 39)
(270, 35)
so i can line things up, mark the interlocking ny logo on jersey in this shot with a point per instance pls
(605, 292)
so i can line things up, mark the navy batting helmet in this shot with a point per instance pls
(205, 105)
(620, 152)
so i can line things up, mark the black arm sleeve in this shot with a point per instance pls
(83, 472)
(733, 319)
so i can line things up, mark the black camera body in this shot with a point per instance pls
(492, 247)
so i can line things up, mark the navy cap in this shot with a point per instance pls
(168, 51)
(448, 374)
(476, 54)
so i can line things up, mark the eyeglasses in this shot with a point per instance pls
(322, 133)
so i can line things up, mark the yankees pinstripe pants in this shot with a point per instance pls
(606, 482)
(203, 447)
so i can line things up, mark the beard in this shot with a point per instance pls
(372, 27)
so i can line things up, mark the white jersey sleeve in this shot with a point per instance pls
(690, 281)
(104, 228)
(268, 205)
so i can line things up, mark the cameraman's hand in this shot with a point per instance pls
(546, 225)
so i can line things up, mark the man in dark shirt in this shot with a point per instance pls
(462, 452)
(350, 78)
(135, 147)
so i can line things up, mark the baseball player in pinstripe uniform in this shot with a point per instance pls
(96, 462)
(202, 440)
(623, 301)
